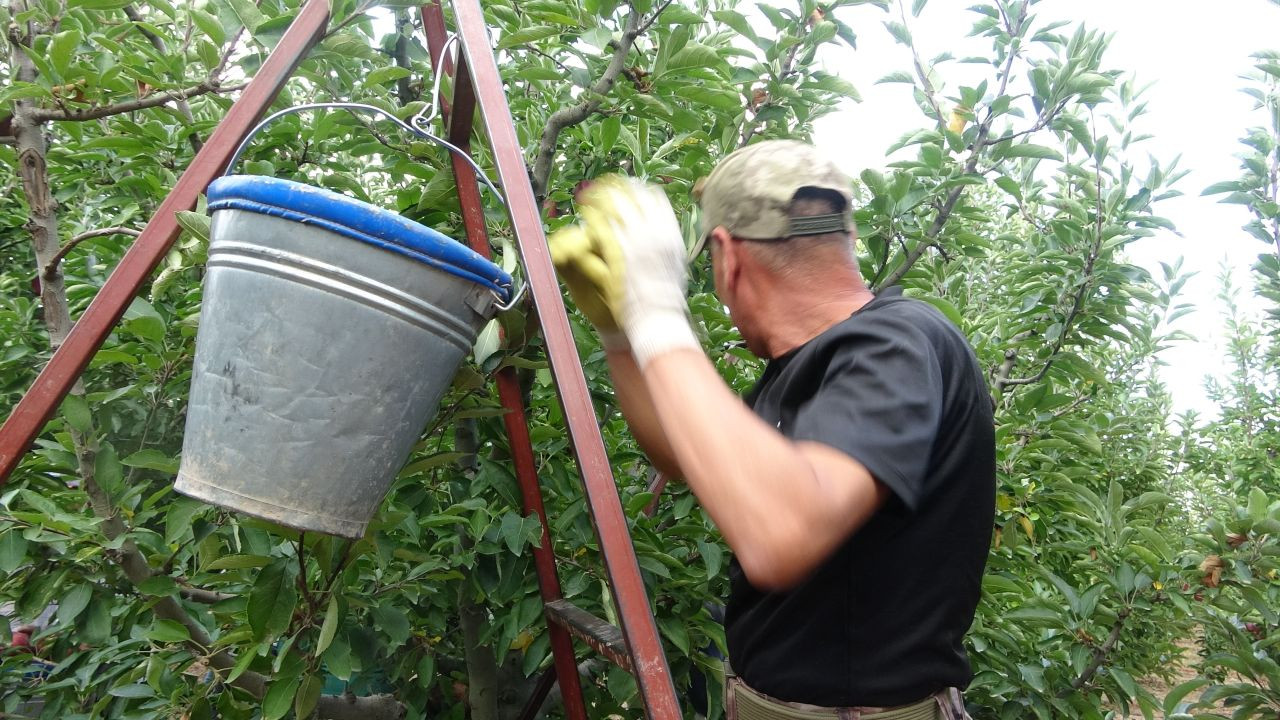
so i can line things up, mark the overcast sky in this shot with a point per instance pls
(1192, 53)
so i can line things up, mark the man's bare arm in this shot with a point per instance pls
(637, 408)
(782, 506)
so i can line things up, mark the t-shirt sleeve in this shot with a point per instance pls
(880, 402)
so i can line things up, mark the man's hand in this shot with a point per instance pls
(637, 219)
(591, 265)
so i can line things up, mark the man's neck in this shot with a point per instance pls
(810, 310)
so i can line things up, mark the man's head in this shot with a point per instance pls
(778, 220)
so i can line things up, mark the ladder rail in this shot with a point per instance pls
(458, 116)
(638, 625)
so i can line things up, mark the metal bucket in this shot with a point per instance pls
(329, 330)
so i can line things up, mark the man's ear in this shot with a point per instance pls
(730, 256)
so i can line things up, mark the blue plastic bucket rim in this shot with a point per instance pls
(358, 220)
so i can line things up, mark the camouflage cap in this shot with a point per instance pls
(750, 191)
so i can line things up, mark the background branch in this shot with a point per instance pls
(1082, 290)
(1099, 654)
(184, 108)
(210, 85)
(51, 268)
(953, 197)
(569, 116)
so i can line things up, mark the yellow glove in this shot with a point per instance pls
(591, 265)
(637, 220)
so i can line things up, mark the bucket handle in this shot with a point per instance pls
(411, 129)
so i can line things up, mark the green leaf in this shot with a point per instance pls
(13, 550)
(674, 630)
(279, 699)
(1124, 680)
(540, 73)
(62, 48)
(677, 14)
(1257, 507)
(96, 625)
(329, 626)
(98, 4)
(917, 6)
(1010, 186)
(76, 410)
(152, 460)
(134, 690)
(824, 31)
(1034, 615)
(22, 91)
(1223, 187)
(74, 603)
(694, 55)
(737, 21)
(385, 75)
(247, 12)
(307, 697)
(610, 128)
(898, 76)
(195, 223)
(531, 34)
(899, 32)
(177, 519)
(488, 342)
(239, 562)
(712, 557)
(209, 25)
(1175, 695)
(168, 631)
(1029, 150)
(158, 585)
(434, 461)
(271, 601)
(338, 658)
(712, 97)
(951, 312)
(392, 621)
(247, 654)
(108, 472)
(511, 532)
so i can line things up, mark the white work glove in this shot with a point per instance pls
(653, 313)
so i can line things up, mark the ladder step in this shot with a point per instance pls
(604, 637)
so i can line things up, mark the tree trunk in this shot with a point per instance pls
(482, 666)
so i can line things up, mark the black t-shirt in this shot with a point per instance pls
(880, 623)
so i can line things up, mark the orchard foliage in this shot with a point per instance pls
(1009, 207)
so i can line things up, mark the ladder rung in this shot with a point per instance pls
(604, 637)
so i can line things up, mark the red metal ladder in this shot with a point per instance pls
(633, 644)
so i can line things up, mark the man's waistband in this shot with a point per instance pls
(745, 703)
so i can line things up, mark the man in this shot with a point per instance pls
(856, 487)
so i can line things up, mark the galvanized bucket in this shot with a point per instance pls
(329, 330)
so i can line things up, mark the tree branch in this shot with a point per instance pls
(41, 115)
(1082, 290)
(1099, 654)
(953, 197)
(200, 595)
(929, 92)
(569, 116)
(51, 268)
(183, 108)
(350, 707)
(400, 53)
(653, 17)
(787, 64)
